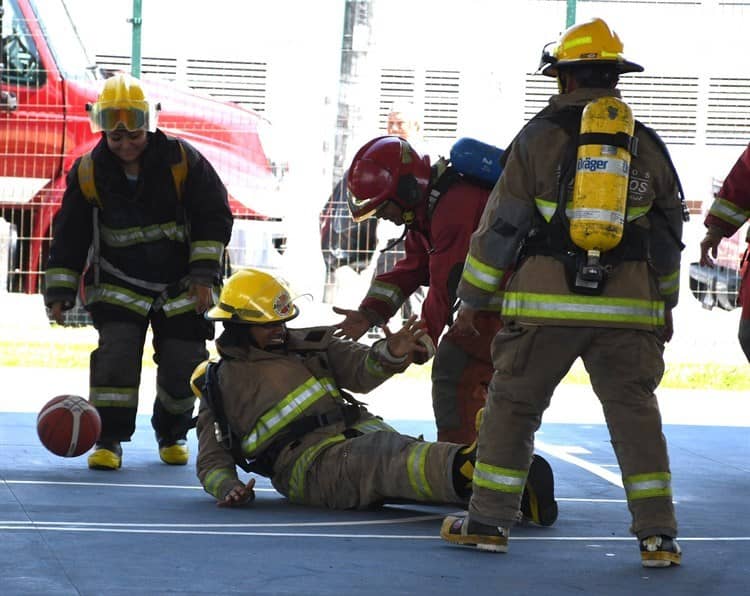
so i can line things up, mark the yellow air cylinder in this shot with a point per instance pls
(600, 189)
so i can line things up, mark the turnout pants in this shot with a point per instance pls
(379, 467)
(461, 373)
(115, 373)
(625, 366)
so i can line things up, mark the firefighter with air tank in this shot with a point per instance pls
(588, 216)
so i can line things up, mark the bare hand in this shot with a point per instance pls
(709, 244)
(407, 339)
(354, 324)
(202, 296)
(464, 323)
(239, 495)
(57, 312)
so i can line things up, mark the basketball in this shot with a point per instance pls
(68, 425)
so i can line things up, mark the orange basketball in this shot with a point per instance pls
(68, 425)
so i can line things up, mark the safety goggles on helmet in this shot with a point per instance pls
(122, 104)
(592, 42)
(128, 118)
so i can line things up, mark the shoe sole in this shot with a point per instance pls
(538, 501)
(657, 560)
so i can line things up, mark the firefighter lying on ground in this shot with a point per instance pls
(275, 405)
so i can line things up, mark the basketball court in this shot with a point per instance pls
(150, 529)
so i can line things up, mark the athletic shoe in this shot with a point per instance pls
(461, 530)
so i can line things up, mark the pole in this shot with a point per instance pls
(136, 21)
(570, 14)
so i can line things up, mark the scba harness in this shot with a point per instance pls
(553, 237)
(263, 463)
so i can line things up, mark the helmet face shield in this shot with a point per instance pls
(373, 187)
(131, 119)
(122, 104)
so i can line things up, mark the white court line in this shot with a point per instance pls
(564, 454)
(360, 536)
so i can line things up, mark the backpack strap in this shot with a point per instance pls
(86, 179)
(87, 183)
(180, 171)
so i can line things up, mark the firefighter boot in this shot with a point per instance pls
(461, 530)
(463, 464)
(106, 456)
(538, 503)
(174, 453)
(660, 551)
(171, 434)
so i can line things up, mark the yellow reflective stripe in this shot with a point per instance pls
(375, 368)
(120, 297)
(114, 397)
(175, 405)
(178, 305)
(502, 480)
(729, 212)
(118, 238)
(669, 284)
(583, 308)
(577, 41)
(216, 478)
(480, 275)
(206, 250)
(61, 278)
(373, 425)
(546, 208)
(646, 486)
(303, 463)
(415, 465)
(278, 417)
(633, 213)
(388, 293)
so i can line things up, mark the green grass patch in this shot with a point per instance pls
(71, 347)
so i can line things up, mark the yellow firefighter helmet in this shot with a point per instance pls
(122, 104)
(254, 297)
(592, 42)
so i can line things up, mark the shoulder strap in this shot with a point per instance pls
(86, 179)
(180, 171)
(445, 180)
(88, 184)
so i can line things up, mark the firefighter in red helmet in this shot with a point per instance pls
(440, 208)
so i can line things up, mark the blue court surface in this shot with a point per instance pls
(150, 529)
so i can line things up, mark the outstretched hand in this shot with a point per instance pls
(239, 495)
(353, 326)
(406, 340)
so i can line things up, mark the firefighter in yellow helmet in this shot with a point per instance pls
(150, 217)
(613, 312)
(276, 404)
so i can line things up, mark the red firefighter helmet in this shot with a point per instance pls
(386, 169)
